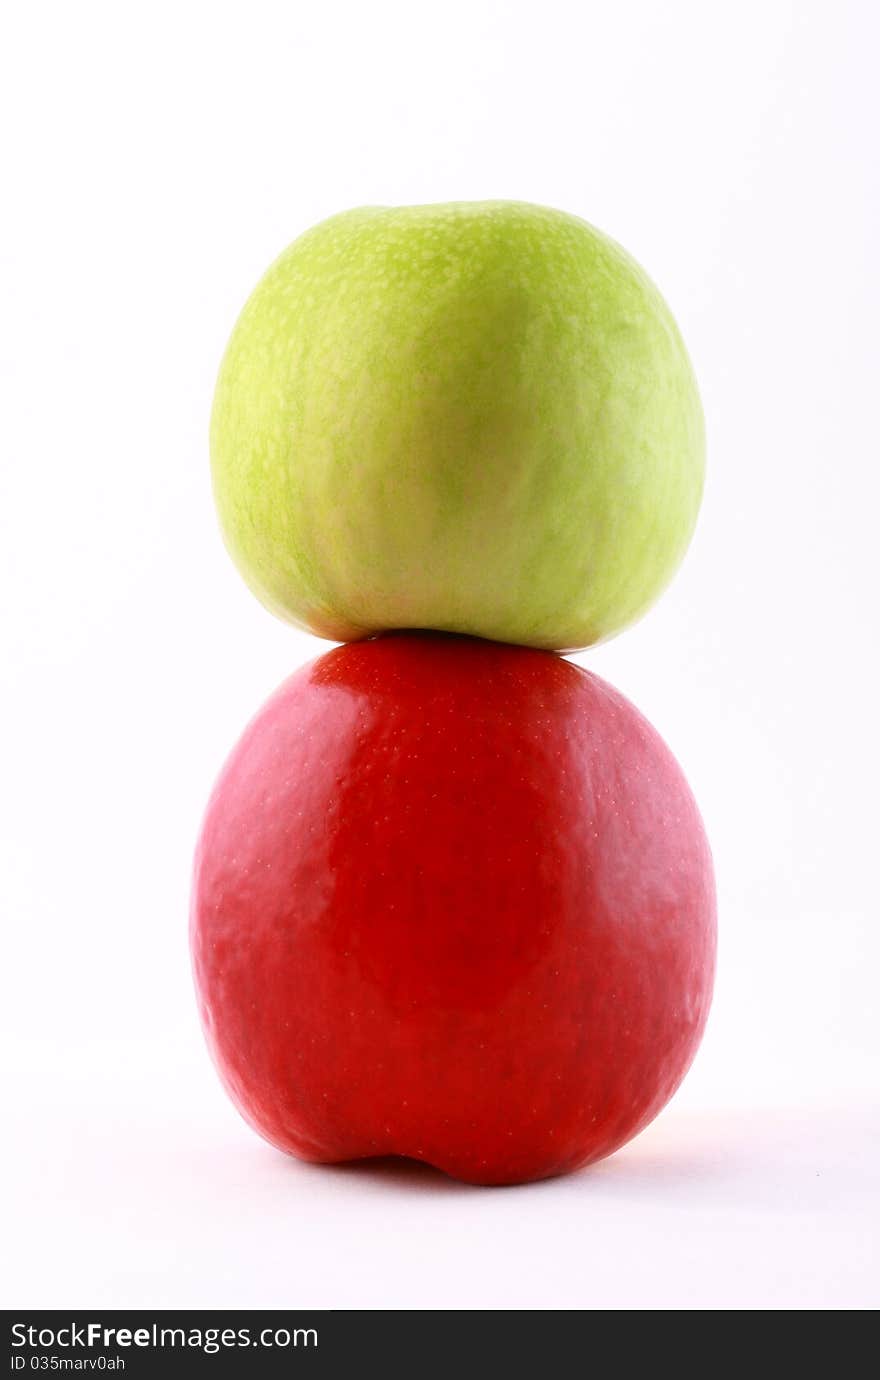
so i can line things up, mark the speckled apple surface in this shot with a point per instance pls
(454, 901)
(477, 417)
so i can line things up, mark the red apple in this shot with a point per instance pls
(452, 900)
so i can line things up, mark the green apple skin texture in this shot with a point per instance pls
(477, 417)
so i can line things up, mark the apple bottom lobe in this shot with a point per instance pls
(503, 1168)
(508, 1098)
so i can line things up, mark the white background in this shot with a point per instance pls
(155, 160)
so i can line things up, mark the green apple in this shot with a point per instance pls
(477, 417)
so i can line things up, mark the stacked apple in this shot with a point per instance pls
(453, 899)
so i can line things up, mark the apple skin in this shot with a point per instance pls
(452, 900)
(477, 417)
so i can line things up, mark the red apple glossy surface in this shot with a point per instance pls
(453, 900)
